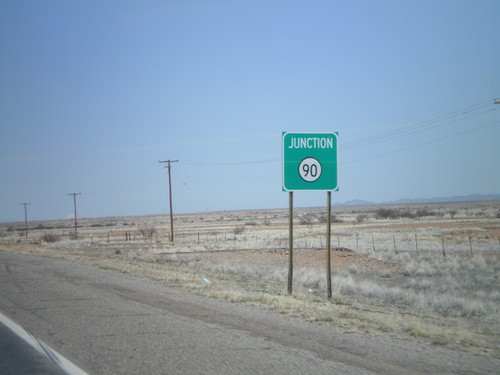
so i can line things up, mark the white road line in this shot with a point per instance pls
(69, 367)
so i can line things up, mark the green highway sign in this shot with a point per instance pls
(309, 161)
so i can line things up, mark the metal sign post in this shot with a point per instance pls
(290, 243)
(328, 245)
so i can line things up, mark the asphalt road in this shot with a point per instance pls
(110, 323)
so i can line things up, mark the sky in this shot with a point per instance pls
(93, 94)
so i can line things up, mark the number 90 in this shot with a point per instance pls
(310, 169)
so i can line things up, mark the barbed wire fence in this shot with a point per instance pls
(239, 239)
(359, 242)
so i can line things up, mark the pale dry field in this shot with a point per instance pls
(428, 271)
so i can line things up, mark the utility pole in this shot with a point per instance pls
(170, 196)
(74, 205)
(25, 217)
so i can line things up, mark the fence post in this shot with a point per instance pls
(373, 243)
(416, 243)
(470, 246)
(442, 241)
(357, 242)
(394, 241)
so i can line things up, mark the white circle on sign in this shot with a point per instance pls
(310, 169)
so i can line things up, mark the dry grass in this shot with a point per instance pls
(452, 301)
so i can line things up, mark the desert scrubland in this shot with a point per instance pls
(427, 271)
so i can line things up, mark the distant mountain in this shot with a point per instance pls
(356, 202)
(457, 198)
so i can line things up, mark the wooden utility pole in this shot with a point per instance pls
(170, 196)
(25, 217)
(74, 205)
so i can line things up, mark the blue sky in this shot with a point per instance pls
(94, 93)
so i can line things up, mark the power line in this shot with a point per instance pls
(420, 144)
(227, 176)
(203, 202)
(231, 163)
(422, 126)
(417, 125)
(439, 121)
(128, 183)
(146, 176)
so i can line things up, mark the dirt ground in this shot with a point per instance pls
(341, 259)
